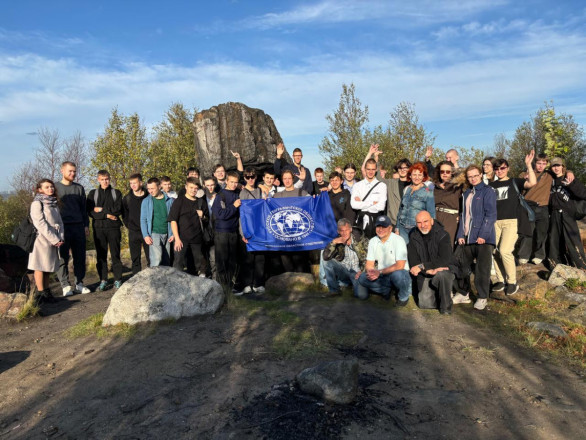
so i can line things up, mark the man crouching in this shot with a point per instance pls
(432, 262)
(344, 258)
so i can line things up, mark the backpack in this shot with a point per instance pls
(580, 209)
(25, 234)
(96, 195)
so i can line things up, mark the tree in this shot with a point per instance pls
(122, 149)
(346, 138)
(173, 144)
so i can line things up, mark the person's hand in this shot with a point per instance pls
(171, 239)
(357, 199)
(529, 158)
(199, 212)
(59, 244)
(87, 231)
(237, 203)
(570, 177)
(148, 240)
(375, 202)
(480, 240)
(428, 152)
(280, 150)
(339, 240)
(373, 149)
(302, 173)
(98, 209)
(357, 275)
(372, 274)
(461, 241)
(325, 188)
(432, 271)
(111, 217)
(244, 240)
(415, 270)
(178, 245)
(235, 154)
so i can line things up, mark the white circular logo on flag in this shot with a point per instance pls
(290, 223)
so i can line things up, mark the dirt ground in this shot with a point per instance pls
(422, 375)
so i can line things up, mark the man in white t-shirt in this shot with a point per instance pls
(386, 264)
(369, 197)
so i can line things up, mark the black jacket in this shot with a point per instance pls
(131, 205)
(564, 196)
(106, 201)
(433, 250)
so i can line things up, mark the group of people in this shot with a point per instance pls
(421, 227)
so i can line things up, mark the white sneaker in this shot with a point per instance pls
(523, 261)
(237, 292)
(259, 289)
(67, 291)
(82, 289)
(480, 304)
(536, 261)
(461, 299)
(202, 275)
(247, 289)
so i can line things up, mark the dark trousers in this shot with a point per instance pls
(534, 247)
(191, 256)
(226, 244)
(441, 283)
(482, 253)
(297, 261)
(74, 242)
(565, 245)
(104, 239)
(209, 252)
(252, 268)
(135, 243)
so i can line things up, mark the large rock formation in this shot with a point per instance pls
(235, 127)
(158, 293)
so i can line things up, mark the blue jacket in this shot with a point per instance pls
(226, 216)
(483, 211)
(146, 215)
(414, 202)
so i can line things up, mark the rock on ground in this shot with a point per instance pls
(551, 329)
(158, 293)
(11, 304)
(335, 381)
(561, 273)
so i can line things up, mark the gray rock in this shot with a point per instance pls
(235, 127)
(551, 329)
(335, 381)
(11, 304)
(561, 273)
(158, 293)
(565, 294)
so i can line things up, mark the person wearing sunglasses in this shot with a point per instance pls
(511, 221)
(565, 245)
(447, 193)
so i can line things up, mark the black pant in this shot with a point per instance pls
(565, 245)
(135, 243)
(104, 238)
(534, 247)
(191, 256)
(74, 241)
(441, 283)
(226, 244)
(297, 261)
(482, 253)
(252, 269)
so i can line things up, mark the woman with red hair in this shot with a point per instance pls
(417, 197)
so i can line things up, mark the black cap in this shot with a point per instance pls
(382, 220)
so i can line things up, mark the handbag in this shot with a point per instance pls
(25, 234)
(524, 204)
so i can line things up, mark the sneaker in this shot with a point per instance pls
(536, 261)
(247, 290)
(103, 286)
(259, 289)
(511, 289)
(480, 304)
(80, 288)
(67, 291)
(237, 292)
(401, 303)
(461, 299)
(117, 284)
(523, 261)
(445, 312)
(498, 287)
(202, 275)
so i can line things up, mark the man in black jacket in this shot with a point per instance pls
(131, 205)
(430, 257)
(104, 206)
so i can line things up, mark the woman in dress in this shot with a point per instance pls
(447, 193)
(45, 216)
(417, 197)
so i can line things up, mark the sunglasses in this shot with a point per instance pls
(445, 172)
(504, 167)
(252, 176)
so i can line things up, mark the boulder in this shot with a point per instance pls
(235, 127)
(564, 294)
(11, 304)
(546, 327)
(13, 260)
(335, 381)
(561, 273)
(158, 293)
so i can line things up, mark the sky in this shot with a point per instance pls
(472, 68)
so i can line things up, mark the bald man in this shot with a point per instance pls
(451, 156)
(432, 263)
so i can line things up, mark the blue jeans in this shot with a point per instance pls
(159, 251)
(336, 273)
(399, 279)
(404, 232)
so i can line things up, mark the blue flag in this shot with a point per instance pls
(288, 224)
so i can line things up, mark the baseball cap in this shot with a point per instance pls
(382, 220)
(557, 161)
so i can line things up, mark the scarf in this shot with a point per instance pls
(50, 201)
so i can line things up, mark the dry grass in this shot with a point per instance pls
(92, 326)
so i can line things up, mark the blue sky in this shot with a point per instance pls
(472, 68)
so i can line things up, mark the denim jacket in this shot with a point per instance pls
(483, 212)
(146, 215)
(414, 202)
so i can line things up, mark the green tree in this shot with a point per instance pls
(173, 144)
(122, 149)
(12, 210)
(346, 140)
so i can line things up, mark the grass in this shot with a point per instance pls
(575, 284)
(92, 326)
(31, 308)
